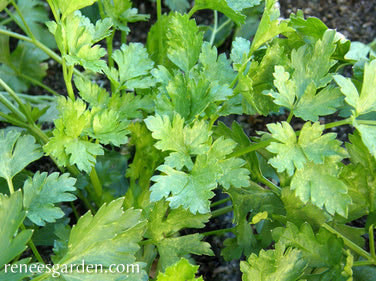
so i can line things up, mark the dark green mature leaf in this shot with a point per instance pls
(42, 192)
(323, 249)
(178, 5)
(181, 270)
(134, 66)
(171, 250)
(310, 146)
(184, 41)
(109, 237)
(11, 217)
(25, 60)
(35, 15)
(319, 183)
(16, 152)
(279, 264)
(77, 44)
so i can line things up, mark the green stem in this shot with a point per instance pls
(38, 44)
(101, 10)
(67, 73)
(362, 263)
(218, 232)
(11, 107)
(33, 248)
(36, 82)
(74, 211)
(109, 41)
(251, 148)
(160, 30)
(26, 111)
(350, 244)
(10, 185)
(223, 25)
(13, 121)
(96, 184)
(41, 277)
(219, 202)
(276, 189)
(221, 211)
(6, 21)
(28, 30)
(291, 114)
(367, 122)
(372, 242)
(338, 123)
(192, 11)
(215, 26)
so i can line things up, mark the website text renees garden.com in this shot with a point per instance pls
(81, 268)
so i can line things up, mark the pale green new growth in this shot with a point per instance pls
(181, 270)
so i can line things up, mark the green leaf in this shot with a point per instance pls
(269, 26)
(184, 41)
(12, 242)
(298, 212)
(16, 152)
(216, 68)
(312, 105)
(25, 61)
(18, 275)
(42, 192)
(239, 51)
(368, 133)
(279, 264)
(182, 140)
(286, 88)
(90, 92)
(121, 12)
(178, 5)
(193, 190)
(171, 250)
(67, 7)
(75, 37)
(66, 145)
(134, 66)
(310, 146)
(109, 128)
(3, 4)
(109, 237)
(364, 102)
(224, 7)
(238, 5)
(165, 223)
(181, 270)
(191, 96)
(323, 249)
(35, 14)
(319, 183)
